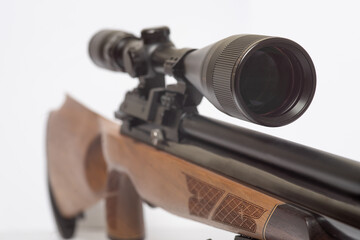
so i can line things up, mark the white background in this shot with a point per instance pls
(43, 55)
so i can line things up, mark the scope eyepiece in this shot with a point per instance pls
(106, 49)
(266, 80)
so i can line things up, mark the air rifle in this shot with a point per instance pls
(167, 155)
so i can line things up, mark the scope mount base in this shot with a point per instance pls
(155, 117)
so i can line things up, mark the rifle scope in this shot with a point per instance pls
(266, 80)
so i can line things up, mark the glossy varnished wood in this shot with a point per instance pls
(124, 213)
(79, 175)
(161, 179)
(72, 146)
(88, 160)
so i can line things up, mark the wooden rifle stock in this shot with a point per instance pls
(89, 160)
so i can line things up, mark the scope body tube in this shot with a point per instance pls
(266, 80)
(227, 74)
(261, 79)
(332, 176)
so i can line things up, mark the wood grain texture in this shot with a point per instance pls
(84, 151)
(124, 212)
(79, 175)
(71, 149)
(160, 178)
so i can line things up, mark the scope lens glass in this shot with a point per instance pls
(266, 81)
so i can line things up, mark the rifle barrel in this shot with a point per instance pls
(330, 175)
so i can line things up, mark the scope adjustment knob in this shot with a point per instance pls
(155, 35)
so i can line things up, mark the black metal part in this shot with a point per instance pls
(152, 102)
(223, 72)
(166, 117)
(287, 79)
(319, 171)
(163, 109)
(340, 230)
(243, 237)
(66, 226)
(295, 224)
(106, 49)
(253, 173)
